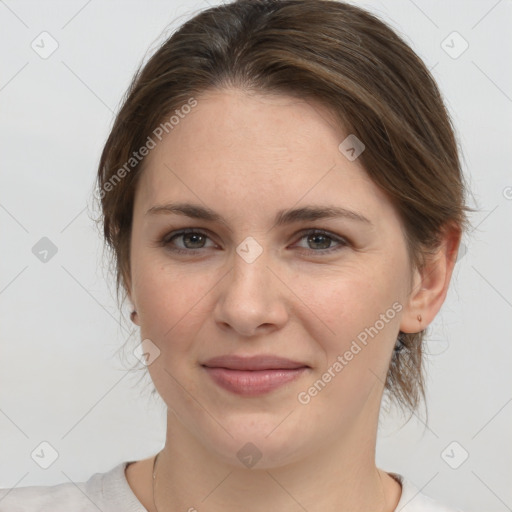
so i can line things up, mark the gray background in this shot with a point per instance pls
(62, 378)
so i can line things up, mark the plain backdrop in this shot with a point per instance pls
(63, 377)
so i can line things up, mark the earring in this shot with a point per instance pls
(132, 315)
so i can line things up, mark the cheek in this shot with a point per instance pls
(360, 305)
(362, 309)
(170, 298)
(172, 306)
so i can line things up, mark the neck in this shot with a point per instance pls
(339, 475)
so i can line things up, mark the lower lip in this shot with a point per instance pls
(252, 383)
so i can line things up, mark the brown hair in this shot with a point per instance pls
(329, 51)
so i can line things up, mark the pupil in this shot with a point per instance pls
(193, 236)
(316, 237)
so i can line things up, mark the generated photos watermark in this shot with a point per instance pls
(304, 397)
(137, 156)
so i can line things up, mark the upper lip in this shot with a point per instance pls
(261, 362)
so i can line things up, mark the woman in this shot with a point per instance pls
(282, 194)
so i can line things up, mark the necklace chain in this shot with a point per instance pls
(154, 480)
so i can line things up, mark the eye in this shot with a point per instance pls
(321, 241)
(191, 238)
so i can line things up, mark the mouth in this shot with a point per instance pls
(252, 376)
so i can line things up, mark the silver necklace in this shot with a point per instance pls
(154, 480)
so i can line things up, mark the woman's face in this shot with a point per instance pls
(249, 285)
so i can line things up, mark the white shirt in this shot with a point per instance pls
(111, 492)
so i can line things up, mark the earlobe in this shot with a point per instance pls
(430, 286)
(134, 317)
(128, 288)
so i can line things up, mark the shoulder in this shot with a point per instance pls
(102, 491)
(61, 497)
(413, 500)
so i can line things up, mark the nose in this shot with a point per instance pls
(252, 299)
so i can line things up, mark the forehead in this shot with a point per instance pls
(258, 151)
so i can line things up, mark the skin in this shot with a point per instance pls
(246, 156)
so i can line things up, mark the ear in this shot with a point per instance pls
(430, 285)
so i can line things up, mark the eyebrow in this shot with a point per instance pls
(283, 217)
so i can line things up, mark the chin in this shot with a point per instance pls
(262, 445)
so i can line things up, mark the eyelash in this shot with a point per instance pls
(168, 238)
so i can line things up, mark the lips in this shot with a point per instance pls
(253, 363)
(252, 376)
